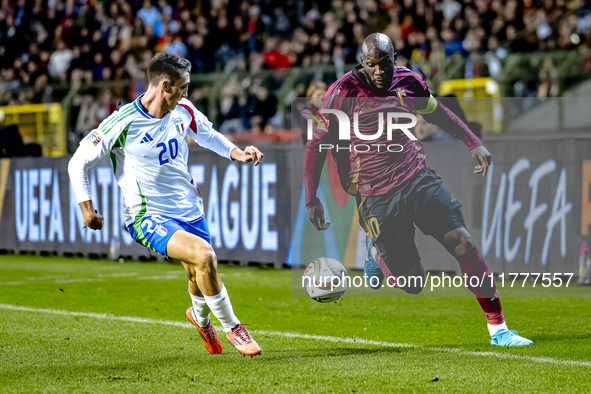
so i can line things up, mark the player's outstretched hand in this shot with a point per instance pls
(483, 159)
(251, 153)
(316, 216)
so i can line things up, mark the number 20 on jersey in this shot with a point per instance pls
(173, 148)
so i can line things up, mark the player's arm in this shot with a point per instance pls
(314, 158)
(94, 146)
(437, 113)
(86, 157)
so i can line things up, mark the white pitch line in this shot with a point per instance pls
(170, 276)
(163, 277)
(118, 274)
(106, 316)
(47, 277)
(82, 280)
(326, 338)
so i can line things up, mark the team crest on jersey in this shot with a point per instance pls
(322, 121)
(401, 96)
(178, 122)
(95, 138)
(161, 231)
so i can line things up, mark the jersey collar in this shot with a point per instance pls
(140, 107)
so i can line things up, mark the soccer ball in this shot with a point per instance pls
(325, 280)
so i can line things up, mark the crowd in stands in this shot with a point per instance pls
(49, 43)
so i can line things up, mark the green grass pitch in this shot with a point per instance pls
(71, 325)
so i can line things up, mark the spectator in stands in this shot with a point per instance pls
(59, 62)
(313, 93)
(84, 113)
(177, 47)
(265, 107)
(464, 26)
(151, 17)
(200, 54)
(236, 109)
(98, 67)
(277, 55)
(59, 41)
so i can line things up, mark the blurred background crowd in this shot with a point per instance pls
(93, 54)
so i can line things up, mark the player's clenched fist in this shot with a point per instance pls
(94, 222)
(92, 219)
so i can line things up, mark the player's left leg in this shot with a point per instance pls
(439, 214)
(480, 282)
(199, 254)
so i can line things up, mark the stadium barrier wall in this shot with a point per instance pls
(39, 123)
(247, 208)
(531, 214)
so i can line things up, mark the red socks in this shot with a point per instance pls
(472, 265)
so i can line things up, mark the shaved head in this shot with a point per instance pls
(378, 41)
(378, 57)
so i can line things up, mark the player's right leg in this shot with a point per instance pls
(198, 314)
(201, 258)
(396, 247)
(393, 237)
(374, 276)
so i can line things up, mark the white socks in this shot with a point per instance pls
(200, 310)
(492, 328)
(222, 309)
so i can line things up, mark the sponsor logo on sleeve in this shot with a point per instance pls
(95, 138)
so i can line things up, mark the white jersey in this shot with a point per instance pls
(149, 159)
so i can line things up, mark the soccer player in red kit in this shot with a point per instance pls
(394, 188)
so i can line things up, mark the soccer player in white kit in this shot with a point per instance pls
(163, 211)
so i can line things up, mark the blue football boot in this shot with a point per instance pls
(507, 338)
(371, 268)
